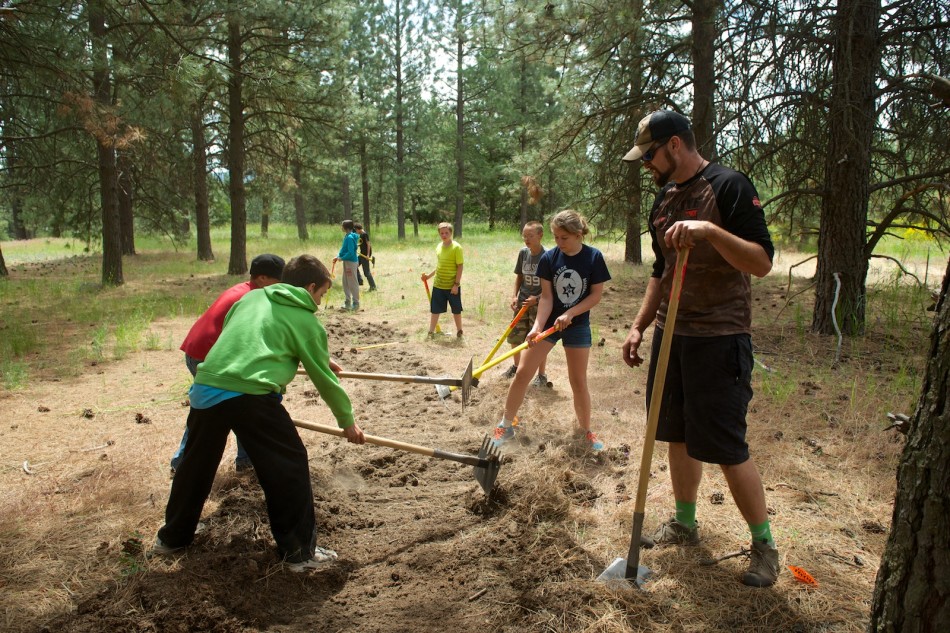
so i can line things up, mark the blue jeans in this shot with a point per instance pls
(241, 460)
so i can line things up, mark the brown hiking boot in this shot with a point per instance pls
(763, 566)
(672, 532)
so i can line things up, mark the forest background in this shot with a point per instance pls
(140, 118)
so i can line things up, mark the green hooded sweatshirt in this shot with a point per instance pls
(266, 335)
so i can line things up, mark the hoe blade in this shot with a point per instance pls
(487, 474)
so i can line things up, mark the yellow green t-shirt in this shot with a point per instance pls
(449, 258)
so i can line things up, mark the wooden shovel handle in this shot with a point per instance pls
(371, 439)
(659, 380)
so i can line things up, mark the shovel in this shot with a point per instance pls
(464, 383)
(425, 282)
(504, 335)
(487, 463)
(444, 391)
(625, 570)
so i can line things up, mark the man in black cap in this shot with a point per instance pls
(266, 269)
(715, 212)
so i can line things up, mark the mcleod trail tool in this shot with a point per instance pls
(487, 463)
(464, 383)
(502, 338)
(425, 282)
(629, 569)
(444, 391)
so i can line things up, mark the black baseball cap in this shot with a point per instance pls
(654, 127)
(267, 264)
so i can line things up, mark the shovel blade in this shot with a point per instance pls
(487, 474)
(618, 576)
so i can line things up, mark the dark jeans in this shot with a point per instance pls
(364, 264)
(280, 460)
(241, 460)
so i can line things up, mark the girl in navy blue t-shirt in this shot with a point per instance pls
(572, 282)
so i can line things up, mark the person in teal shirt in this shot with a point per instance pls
(349, 255)
(239, 388)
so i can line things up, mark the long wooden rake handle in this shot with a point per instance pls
(470, 460)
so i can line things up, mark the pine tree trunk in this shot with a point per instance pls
(704, 75)
(300, 213)
(844, 208)
(105, 151)
(912, 592)
(125, 191)
(237, 265)
(199, 159)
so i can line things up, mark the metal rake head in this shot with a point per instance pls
(490, 456)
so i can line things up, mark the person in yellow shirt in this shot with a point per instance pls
(447, 288)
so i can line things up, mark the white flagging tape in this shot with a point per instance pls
(834, 318)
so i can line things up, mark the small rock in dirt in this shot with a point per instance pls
(873, 527)
(601, 342)
(88, 414)
(141, 419)
(42, 409)
(717, 498)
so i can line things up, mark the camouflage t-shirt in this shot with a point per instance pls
(716, 299)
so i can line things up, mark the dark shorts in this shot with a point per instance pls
(573, 336)
(441, 298)
(706, 395)
(521, 329)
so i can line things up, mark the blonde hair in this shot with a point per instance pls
(570, 221)
(534, 226)
(446, 225)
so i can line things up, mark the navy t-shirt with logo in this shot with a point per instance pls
(571, 278)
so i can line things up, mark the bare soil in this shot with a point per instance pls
(85, 478)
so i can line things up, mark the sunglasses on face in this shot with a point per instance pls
(651, 153)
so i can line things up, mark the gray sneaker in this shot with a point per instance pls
(672, 532)
(763, 565)
(510, 372)
(541, 380)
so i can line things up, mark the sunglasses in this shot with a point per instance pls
(651, 153)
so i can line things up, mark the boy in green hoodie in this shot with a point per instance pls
(239, 388)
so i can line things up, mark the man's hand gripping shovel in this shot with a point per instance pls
(626, 570)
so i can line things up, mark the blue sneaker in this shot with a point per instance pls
(503, 433)
(592, 443)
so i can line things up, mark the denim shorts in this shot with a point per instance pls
(573, 336)
(706, 395)
(442, 297)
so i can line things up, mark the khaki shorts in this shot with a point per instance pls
(521, 329)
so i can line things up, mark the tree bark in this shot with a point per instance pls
(912, 591)
(844, 210)
(703, 50)
(459, 122)
(300, 213)
(199, 160)
(347, 199)
(105, 149)
(400, 135)
(3, 266)
(237, 265)
(125, 192)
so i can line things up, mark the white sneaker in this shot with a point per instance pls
(322, 558)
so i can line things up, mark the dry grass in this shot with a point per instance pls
(74, 528)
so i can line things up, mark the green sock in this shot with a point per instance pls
(762, 532)
(686, 513)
